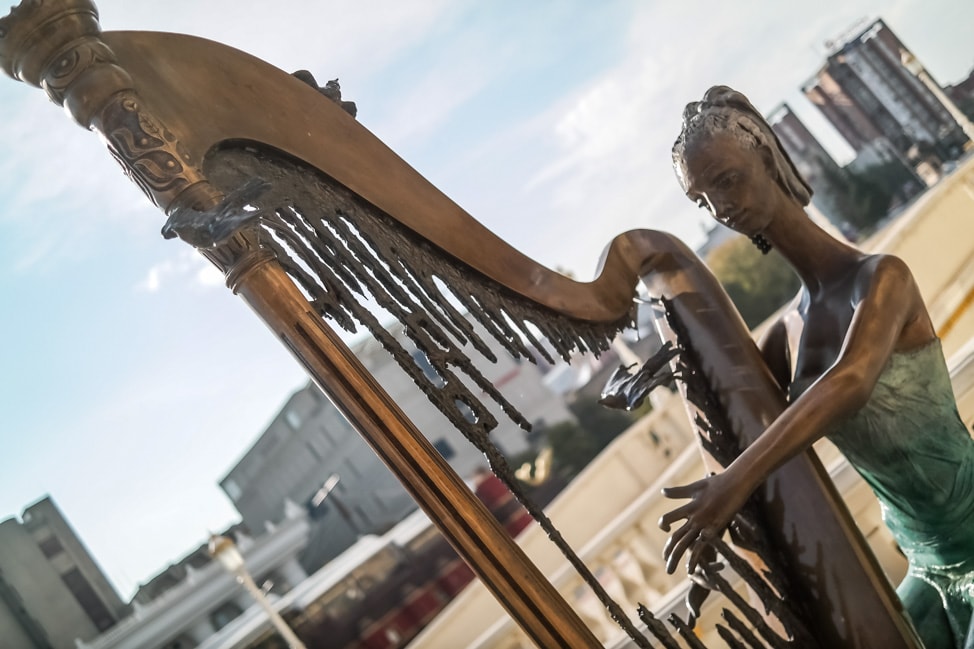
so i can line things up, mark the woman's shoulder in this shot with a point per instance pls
(881, 272)
(883, 262)
(886, 285)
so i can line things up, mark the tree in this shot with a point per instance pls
(574, 445)
(866, 196)
(758, 284)
(874, 191)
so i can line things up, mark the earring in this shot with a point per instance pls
(762, 243)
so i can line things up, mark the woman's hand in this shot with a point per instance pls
(701, 585)
(713, 503)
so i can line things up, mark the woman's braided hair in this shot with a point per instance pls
(724, 110)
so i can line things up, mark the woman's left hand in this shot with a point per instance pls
(713, 503)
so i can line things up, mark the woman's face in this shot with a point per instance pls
(731, 181)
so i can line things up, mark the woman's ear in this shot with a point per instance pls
(769, 165)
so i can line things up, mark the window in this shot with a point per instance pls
(326, 435)
(423, 362)
(50, 546)
(443, 448)
(361, 516)
(93, 607)
(224, 615)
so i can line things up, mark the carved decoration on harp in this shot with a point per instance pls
(294, 216)
(57, 46)
(148, 152)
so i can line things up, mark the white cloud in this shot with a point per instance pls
(153, 279)
(61, 193)
(609, 165)
(607, 146)
(431, 99)
(209, 275)
(186, 267)
(344, 38)
(583, 164)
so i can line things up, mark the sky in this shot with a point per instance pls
(132, 380)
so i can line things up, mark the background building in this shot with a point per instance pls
(962, 94)
(829, 181)
(51, 590)
(195, 598)
(310, 455)
(867, 93)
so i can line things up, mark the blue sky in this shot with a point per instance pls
(132, 379)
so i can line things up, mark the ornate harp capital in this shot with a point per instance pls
(35, 32)
(58, 46)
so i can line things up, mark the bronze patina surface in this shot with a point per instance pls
(207, 141)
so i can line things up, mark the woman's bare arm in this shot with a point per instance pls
(890, 303)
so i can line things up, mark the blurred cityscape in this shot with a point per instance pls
(334, 539)
(905, 129)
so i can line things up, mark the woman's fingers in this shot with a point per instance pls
(698, 551)
(670, 546)
(683, 491)
(677, 545)
(704, 519)
(670, 517)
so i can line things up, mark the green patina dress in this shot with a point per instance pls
(911, 446)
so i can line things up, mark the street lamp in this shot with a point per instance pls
(225, 551)
(913, 65)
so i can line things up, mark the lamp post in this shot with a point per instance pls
(913, 65)
(226, 552)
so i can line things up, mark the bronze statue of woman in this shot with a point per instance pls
(860, 362)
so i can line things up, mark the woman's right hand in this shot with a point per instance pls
(714, 501)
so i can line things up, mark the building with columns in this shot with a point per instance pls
(182, 613)
(314, 498)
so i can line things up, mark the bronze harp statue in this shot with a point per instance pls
(307, 213)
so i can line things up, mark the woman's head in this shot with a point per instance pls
(726, 116)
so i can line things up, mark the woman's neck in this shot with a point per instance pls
(818, 258)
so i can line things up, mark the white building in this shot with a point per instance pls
(310, 455)
(209, 598)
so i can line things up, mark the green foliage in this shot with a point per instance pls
(758, 284)
(571, 447)
(574, 445)
(867, 196)
(601, 421)
(874, 191)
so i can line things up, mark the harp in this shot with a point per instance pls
(305, 212)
